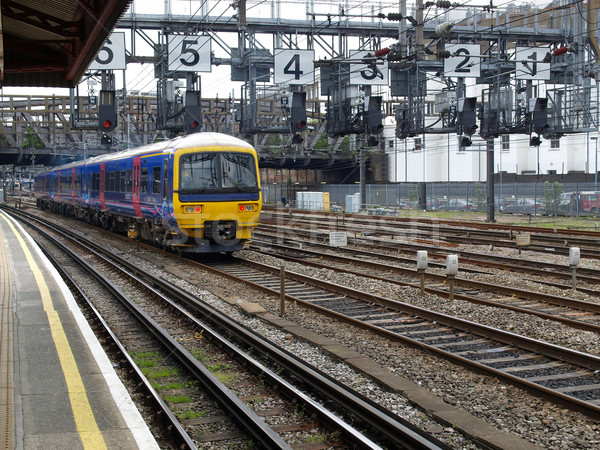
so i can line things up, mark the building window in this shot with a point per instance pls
(555, 143)
(505, 142)
(391, 144)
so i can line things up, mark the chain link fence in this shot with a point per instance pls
(549, 198)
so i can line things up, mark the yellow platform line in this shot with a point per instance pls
(90, 434)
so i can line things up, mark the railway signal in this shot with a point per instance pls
(107, 111)
(193, 112)
(374, 116)
(298, 119)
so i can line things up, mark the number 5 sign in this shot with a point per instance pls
(189, 53)
(112, 54)
(294, 66)
(464, 60)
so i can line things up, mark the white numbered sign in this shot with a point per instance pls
(529, 65)
(189, 53)
(371, 71)
(294, 66)
(464, 60)
(112, 54)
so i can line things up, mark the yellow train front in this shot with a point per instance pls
(198, 193)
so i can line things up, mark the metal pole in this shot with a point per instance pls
(490, 180)
(282, 289)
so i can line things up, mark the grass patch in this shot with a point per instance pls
(178, 398)
(163, 373)
(187, 415)
(226, 377)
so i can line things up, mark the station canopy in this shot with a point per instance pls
(50, 43)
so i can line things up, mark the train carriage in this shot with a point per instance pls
(198, 193)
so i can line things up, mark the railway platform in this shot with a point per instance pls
(58, 388)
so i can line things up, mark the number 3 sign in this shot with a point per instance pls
(294, 66)
(188, 53)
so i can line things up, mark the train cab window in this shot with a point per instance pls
(128, 181)
(111, 183)
(123, 181)
(144, 180)
(156, 180)
(239, 171)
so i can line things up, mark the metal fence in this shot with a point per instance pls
(527, 198)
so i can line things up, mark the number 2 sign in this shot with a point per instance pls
(189, 53)
(464, 60)
(294, 66)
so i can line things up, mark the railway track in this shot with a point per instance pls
(534, 268)
(568, 377)
(576, 313)
(176, 319)
(445, 232)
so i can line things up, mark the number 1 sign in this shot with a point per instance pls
(294, 66)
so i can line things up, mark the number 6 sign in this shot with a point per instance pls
(188, 53)
(112, 54)
(294, 66)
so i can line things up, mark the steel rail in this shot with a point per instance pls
(585, 274)
(252, 423)
(552, 351)
(395, 429)
(545, 298)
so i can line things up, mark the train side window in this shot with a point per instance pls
(123, 181)
(106, 180)
(156, 180)
(129, 180)
(117, 181)
(111, 184)
(144, 180)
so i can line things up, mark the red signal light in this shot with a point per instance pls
(194, 124)
(107, 124)
(301, 124)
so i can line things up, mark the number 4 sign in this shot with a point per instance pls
(294, 66)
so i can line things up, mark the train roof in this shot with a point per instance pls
(207, 139)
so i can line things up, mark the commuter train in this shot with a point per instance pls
(198, 193)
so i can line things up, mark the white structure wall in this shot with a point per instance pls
(434, 158)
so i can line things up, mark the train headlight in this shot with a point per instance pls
(192, 209)
(246, 208)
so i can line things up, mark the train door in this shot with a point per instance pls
(73, 185)
(165, 188)
(57, 191)
(136, 187)
(102, 185)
